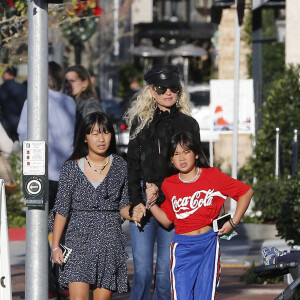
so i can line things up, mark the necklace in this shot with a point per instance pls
(189, 181)
(97, 168)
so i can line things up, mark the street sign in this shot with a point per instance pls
(34, 172)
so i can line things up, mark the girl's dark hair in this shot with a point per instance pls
(188, 142)
(103, 121)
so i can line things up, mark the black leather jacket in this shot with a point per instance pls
(147, 152)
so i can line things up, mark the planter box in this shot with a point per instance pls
(253, 231)
(17, 234)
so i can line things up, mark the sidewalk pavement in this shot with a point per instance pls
(237, 255)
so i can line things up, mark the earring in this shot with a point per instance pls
(155, 103)
(177, 103)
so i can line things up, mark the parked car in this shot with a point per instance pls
(200, 98)
(113, 109)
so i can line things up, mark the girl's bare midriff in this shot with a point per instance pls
(199, 231)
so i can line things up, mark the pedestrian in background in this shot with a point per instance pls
(6, 144)
(12, 97)
(194, 196)
(78, 85)
(92, 197)
(134, 88)
(161, 109)
(61, 125)
(94, 83)
(61, 128)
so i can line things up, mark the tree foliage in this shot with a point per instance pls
(278, 200)
(73, 22)
(15, 201)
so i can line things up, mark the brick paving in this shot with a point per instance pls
(230, 286)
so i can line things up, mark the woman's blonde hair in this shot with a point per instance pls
(145, 105)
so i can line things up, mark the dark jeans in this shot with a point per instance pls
(143, 240)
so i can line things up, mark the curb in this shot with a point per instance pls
(232, 266)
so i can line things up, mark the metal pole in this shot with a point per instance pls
(211, 152)
(116, 28)
(36, 266)
(186, 71)
(235, 104)
(257, 64)
(295, 153)
(277, 154)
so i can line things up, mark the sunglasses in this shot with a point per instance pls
(161, 90)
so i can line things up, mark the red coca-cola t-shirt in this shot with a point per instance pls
(191, 206)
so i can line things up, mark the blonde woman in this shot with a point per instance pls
(161, 109)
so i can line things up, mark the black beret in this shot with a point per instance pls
(163, 75)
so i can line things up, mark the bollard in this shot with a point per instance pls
(277, 153)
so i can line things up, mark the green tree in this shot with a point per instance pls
(126, 72)
(278, 200)
(81, 24)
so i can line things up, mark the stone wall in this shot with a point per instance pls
(223, 148)
(227, 47)
(292, 41)
(223, 151)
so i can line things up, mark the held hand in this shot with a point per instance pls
(139, 211)
(226, 228)
(151, 194)
(57, 256)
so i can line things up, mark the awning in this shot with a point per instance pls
(147, 51)
(188, 50)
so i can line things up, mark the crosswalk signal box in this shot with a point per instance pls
(34, 173)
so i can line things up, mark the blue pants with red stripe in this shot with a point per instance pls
(195, 266)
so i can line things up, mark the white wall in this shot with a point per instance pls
(292, 39)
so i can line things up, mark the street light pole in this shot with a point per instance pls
(240, 4)
(36, 264)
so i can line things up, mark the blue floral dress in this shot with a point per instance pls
(94, 230)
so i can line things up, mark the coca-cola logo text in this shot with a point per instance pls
(183, 207)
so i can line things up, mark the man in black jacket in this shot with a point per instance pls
(12, 97)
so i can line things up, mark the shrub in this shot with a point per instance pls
(277, 199)
(16, 216)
